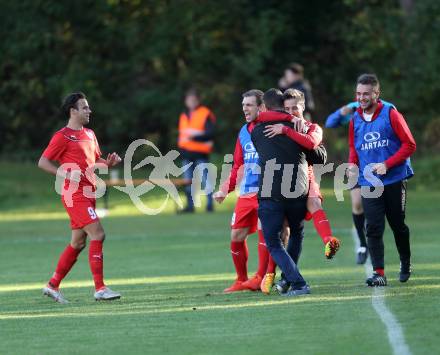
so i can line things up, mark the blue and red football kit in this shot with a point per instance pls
(385, 139)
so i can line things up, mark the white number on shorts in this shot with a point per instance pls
(92, 213)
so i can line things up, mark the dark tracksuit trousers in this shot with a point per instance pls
(272, 214)
(391, 204)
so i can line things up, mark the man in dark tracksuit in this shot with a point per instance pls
(283, 187)
(381, 144)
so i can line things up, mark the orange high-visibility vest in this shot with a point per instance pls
(191, 125)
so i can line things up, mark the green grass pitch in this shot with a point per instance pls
(171, 271)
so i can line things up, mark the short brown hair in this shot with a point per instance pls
(369, 79)
(294, 94)
(258, 94)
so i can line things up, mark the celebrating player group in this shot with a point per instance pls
(380, 145)
(273, 169)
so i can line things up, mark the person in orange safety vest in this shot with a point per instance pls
(195, 142)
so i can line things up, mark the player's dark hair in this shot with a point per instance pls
(71, 101)
(258, 94)
(273, 99)
(368, 79)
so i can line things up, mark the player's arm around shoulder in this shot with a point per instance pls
(316, 133)
(306, 134)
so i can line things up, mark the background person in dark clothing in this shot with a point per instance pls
(283, 187)
(380, 144)
(195, 142)
(294, 79)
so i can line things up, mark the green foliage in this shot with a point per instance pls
(426, 173)
(431, 135)
(134, 59)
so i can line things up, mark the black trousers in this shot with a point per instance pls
(391, 204)
(272, 214)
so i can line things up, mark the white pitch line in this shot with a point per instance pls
(394, 330)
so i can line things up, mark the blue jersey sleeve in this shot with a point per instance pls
(337, 119)
(334, 119)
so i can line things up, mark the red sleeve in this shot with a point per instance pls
(56, 147)
(309, 140)
(404, 134)
(231, 182)
(352, 157)
(97, 149)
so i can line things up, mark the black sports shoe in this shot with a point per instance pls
(362, 255)
(305, 290)
(282, 286)
(376, 280)
(405, 271)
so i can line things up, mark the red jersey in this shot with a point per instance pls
(78, 147)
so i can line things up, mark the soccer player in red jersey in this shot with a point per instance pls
(245, 218)
(309, 135)
(77, 151)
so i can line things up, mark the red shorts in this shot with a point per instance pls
(81, 213)
(246, 213)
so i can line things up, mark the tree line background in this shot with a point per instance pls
(134, 59)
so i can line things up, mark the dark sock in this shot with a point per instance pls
(376, 250)
(359, 223)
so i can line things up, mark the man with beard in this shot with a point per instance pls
(380, 145)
